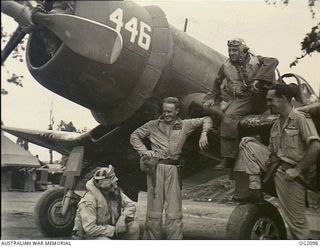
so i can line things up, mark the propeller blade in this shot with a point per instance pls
(15, 39)
(85, 37)
(22, 14)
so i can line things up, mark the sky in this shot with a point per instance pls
(269, 30)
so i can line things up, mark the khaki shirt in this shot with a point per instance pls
(290, 142)
(167, 140)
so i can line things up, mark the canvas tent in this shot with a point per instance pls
(13, 159)
(14, 155)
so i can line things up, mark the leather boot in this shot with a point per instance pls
(224, 163)
(251, 196)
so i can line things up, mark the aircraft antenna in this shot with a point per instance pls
(50, 127)
(185, 25)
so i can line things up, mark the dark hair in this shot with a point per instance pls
(172, 100)
(288, 91)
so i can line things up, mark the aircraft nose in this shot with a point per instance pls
(77, 32)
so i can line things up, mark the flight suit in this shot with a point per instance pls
(289, 144)
(166, 142)
(96, 217)
(238, 78)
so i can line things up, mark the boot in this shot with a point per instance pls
(251, 196)
(224, 163)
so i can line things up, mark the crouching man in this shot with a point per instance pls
(105, 212)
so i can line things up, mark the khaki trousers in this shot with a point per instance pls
(252, 159)
(229, 135)
(132, 233)
(291, 195)
(166, 196)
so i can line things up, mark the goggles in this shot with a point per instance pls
(105, 173)
(236, 42)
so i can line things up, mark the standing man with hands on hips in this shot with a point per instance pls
(167, 135)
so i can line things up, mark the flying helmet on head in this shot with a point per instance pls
(105, 173)
(238, 42)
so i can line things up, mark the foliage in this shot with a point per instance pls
(64, 126)
(311, 42)
(3, 91)
(17, 54)
(69, 127)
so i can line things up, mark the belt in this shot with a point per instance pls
(285, 166)
(299, 179)
(169, 162)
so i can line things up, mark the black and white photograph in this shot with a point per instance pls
(160, 120)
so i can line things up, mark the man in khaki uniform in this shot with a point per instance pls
(167, 136)
(246, 75)
(105, 212)
(295, 145)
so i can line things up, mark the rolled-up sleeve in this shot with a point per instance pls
(194, 123)
(88, 215)
(137, 136)
(307, 129)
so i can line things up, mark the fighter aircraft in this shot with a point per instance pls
(119, 60)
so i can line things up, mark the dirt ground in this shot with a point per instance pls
(17, 220)
(17, 215)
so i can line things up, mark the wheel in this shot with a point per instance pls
(48, 215)
(256, 222)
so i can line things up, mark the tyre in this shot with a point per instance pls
(256, 222)
(48, 215)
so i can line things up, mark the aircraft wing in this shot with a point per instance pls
(60, 141)
(101, 138)
(95, 141)
(264, 120)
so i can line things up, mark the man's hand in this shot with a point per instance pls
(203, 142)
(292, 173)
(207, 104)
(121, 225)
(255, 87)
(223, 106)
(149, 153)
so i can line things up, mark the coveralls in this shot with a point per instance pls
(166, 142)
(238, 78)
(96, 216)
(289, 144)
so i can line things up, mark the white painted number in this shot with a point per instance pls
(144, 39)
(132, 26)
(117, 17)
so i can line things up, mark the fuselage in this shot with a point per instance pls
(157, 60)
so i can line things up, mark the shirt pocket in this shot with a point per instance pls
(175, 135)
(175, 140)
(292, 138)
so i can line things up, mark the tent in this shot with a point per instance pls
(13, 158)
(14, 155)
